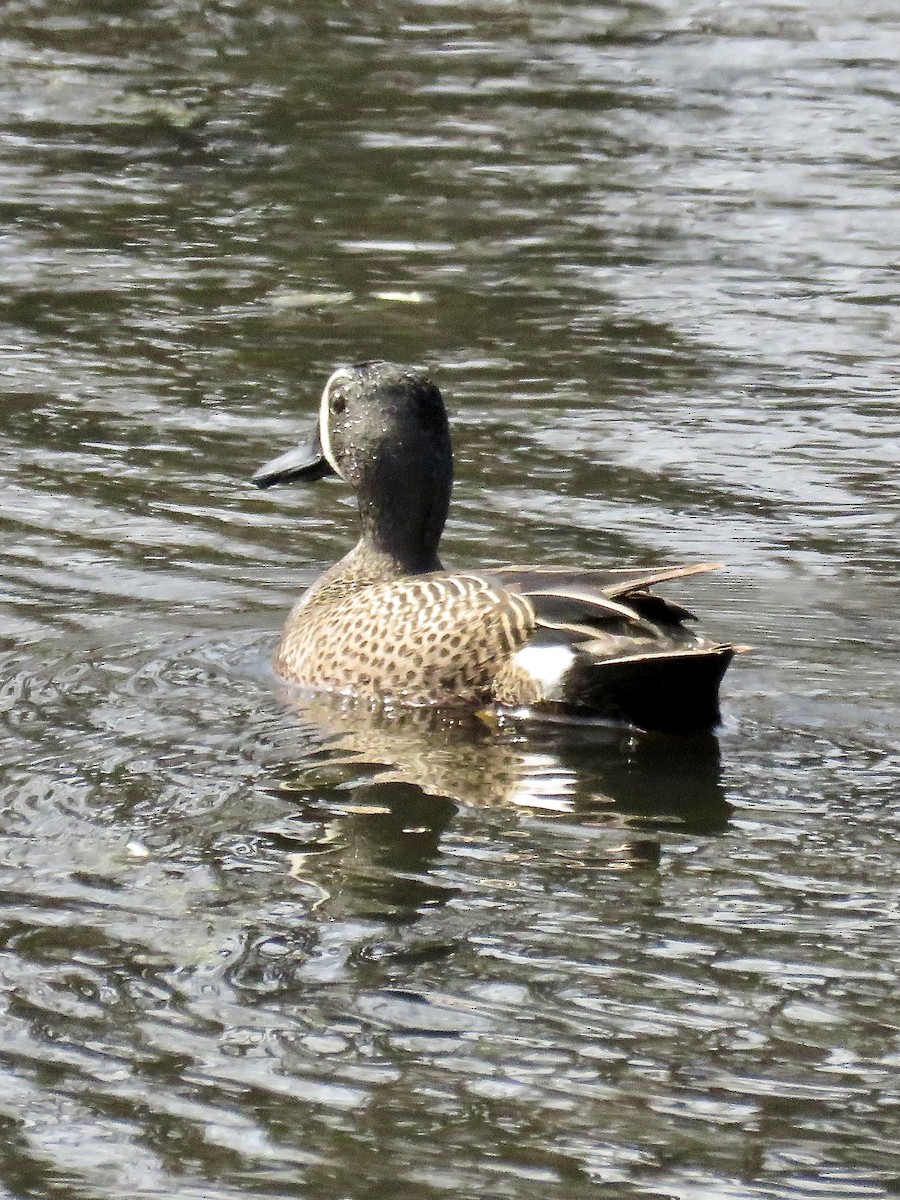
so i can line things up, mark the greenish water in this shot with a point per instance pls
(249, 948)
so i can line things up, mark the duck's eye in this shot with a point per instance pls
(338, 404)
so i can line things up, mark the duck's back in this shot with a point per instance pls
(440, 638)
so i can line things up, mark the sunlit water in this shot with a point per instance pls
(253, 946)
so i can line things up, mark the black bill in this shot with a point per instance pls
(306, 462)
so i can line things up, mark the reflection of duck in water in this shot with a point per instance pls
(388, 621)
(601, 774)
(371, 809)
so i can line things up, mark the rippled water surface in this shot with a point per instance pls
(252, 947)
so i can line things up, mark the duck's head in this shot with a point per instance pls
(382, 428)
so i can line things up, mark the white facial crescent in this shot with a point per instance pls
(325, 413)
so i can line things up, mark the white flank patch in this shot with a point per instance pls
(547, 665)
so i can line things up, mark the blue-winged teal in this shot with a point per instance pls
(388, 621)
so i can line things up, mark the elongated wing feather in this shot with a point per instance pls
(608, 600)
(581, 606)
(611, 581)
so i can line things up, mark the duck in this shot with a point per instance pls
(389, 624)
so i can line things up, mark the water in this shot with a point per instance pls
(650, 253)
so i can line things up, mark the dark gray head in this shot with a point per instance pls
(383, 428)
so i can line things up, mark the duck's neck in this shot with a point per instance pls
(393, 556)
(401, 530)
(364, 565)
(368, 563)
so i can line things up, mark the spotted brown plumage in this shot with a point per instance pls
(435, 638)
(388, 621)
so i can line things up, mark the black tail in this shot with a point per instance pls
(673, 690)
